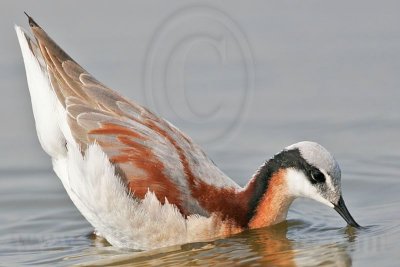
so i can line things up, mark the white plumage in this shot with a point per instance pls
(91, 183)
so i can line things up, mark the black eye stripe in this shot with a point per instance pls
(293, 159)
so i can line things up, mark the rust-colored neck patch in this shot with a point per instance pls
(274, 204)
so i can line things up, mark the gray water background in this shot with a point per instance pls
(322, 71)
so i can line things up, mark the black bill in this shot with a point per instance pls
(341, 208)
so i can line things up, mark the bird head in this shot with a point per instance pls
(313, 172)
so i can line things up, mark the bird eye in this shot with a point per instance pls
(318, 176)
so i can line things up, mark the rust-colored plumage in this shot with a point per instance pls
(149, 154)
(273, 202)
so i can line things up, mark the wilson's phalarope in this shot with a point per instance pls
(140, 181)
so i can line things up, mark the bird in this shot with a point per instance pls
(140, 181)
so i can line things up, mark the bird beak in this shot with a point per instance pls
(341, 208)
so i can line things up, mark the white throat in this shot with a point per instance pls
(299, 186)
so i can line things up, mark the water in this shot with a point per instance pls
(41, 226)
(291, 72)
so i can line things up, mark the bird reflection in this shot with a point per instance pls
(265, 246)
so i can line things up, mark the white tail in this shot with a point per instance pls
(44, 102)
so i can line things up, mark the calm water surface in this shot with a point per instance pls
(328, 73)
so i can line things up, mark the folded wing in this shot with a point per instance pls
(148, 152)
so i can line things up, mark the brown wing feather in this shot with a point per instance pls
(148, 152)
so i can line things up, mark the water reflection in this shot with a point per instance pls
(266, 246)
(324, 255)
